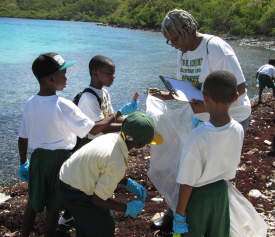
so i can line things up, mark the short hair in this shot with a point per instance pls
(221, 86)
(98, 62)
(176, 20)
(271, 61)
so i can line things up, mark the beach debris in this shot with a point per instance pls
(252, 151)
(4, 197)
(157, 215)
(254, 193)
(267, 142)
(157, 199)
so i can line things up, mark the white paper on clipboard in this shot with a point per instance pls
(184, 91)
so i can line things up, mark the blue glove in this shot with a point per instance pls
(257, 81)
(136, 189)
(23, 171)
(179, 224)
(196, 122)
(134, 208)
(129, 107)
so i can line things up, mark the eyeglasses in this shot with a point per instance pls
(173, 43)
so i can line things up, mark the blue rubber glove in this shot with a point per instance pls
(23, 171)
(196, 122)
(257, 81)
(136, 189)
(134, 208)
(129, 108)
(179, 224)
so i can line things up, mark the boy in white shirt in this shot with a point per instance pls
(210, 156)
(95, 103)
(102, 70)
(266, 74)
(49, 126)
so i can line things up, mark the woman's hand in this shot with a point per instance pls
(160, 94)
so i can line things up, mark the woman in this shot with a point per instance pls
(198, 55)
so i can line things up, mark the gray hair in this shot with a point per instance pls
(176, 20)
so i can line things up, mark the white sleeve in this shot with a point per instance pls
(79, 123)
(88, 104)
(190, 169)
(222, 57)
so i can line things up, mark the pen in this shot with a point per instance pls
(154, 91)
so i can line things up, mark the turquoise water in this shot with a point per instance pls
(140, 57)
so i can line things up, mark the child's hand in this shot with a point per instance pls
(23, 171)
(197, 106)
(129, 107)
(179, 224)
(134, 208)
(136, 189)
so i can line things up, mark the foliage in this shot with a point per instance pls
(238, 17)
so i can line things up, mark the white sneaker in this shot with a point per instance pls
(65, 224)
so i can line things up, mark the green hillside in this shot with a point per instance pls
(238, 17)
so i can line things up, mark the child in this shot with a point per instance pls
(102, 71)
(89, 177)
(209, 157)
(266, 74)
(49, 126)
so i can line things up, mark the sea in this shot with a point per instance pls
(140, 57)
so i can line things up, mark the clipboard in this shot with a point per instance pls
(181, 90)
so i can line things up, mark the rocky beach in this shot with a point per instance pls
(255, 172)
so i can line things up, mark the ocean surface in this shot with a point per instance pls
(140, 57)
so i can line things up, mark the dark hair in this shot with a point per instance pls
(221, 86)
(271, 61)
(98, 62)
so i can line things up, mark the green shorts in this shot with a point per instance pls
(265, 81)
(43, 170)
(208, 212)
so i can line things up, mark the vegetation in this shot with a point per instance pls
(238, 17)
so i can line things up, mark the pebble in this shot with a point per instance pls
(254, 193)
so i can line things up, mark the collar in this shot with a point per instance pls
(124, 149)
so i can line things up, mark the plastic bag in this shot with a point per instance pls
(244, 219)
(175, 125)
(165, 159)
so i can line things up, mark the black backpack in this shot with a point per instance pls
(76, 101)
(77, 97)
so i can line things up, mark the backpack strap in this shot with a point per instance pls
(95, 94)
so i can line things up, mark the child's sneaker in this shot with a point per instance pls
(65, 224)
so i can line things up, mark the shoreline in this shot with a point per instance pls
(266, 42)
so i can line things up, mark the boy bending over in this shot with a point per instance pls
(89, 177)
(210, 156)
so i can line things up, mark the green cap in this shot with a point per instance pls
(140, 128)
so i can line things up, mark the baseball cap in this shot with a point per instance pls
(140, 128)
(48, 63)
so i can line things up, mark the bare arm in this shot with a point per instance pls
(257, 74)
(105, 123)
(23, 148)
(109, 203)
(184, 195)
(241, 88)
